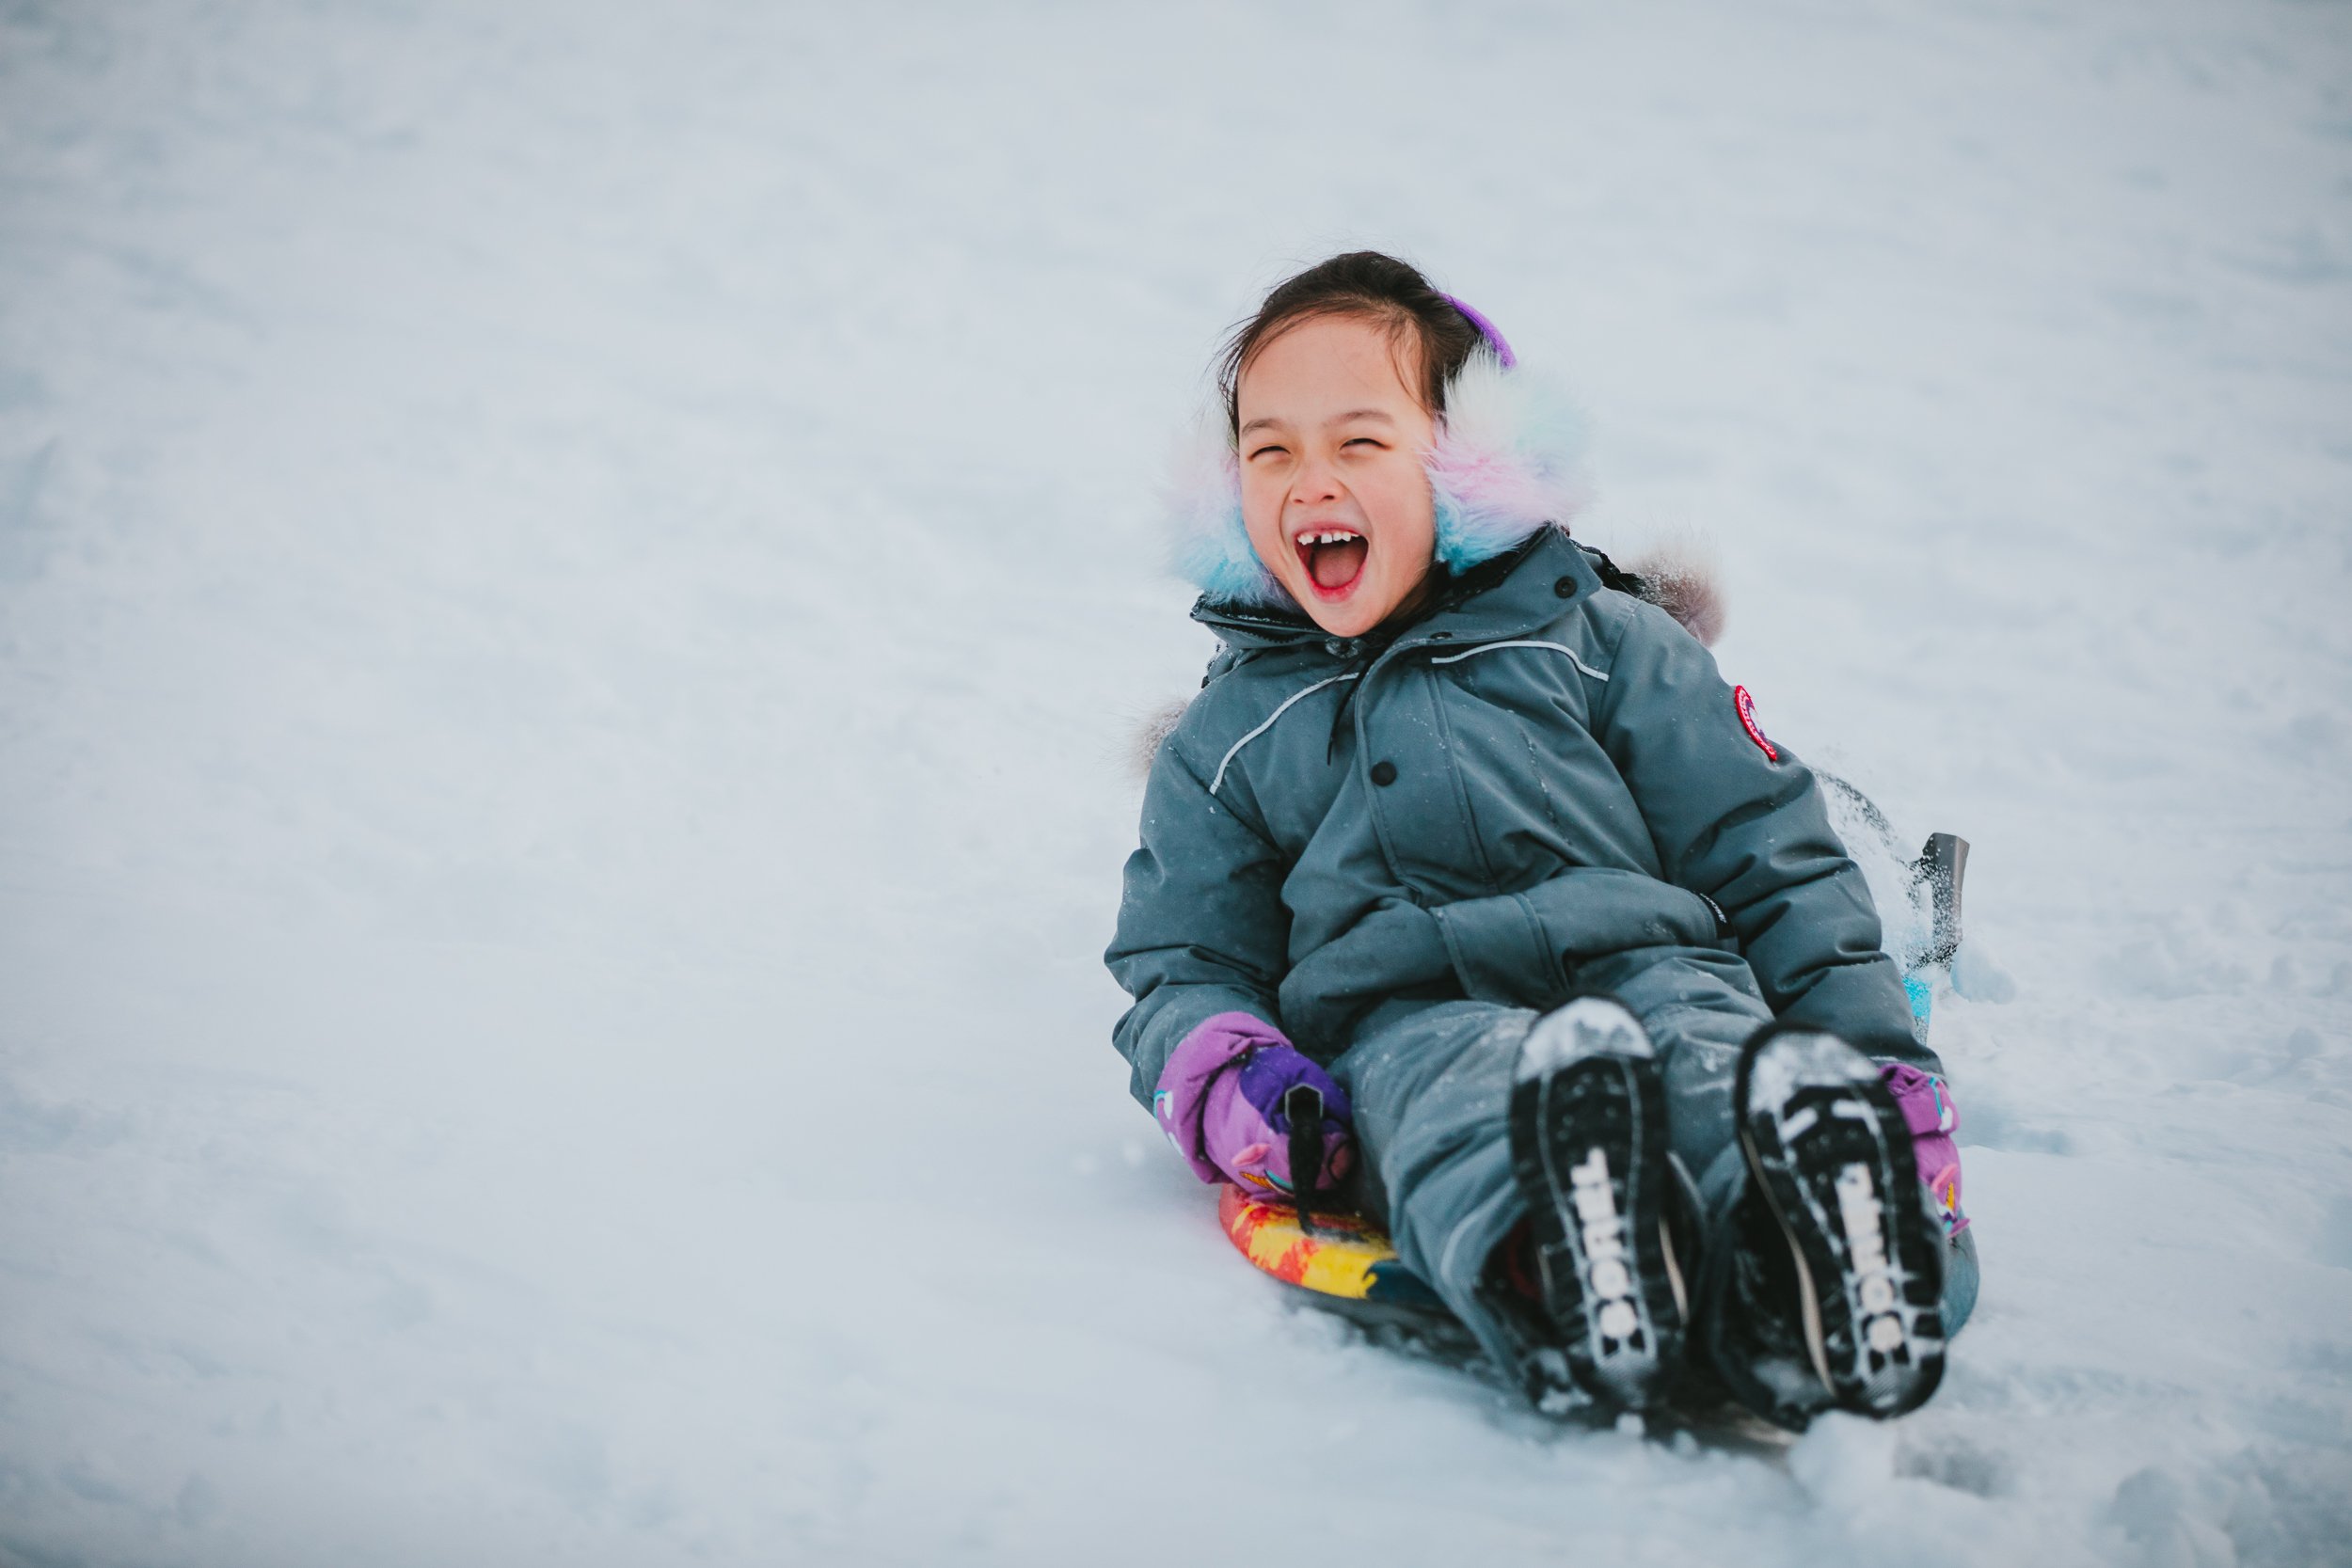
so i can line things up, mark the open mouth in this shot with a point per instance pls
(1334, 558)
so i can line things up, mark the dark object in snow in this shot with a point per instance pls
(1931, 879)
(1939, 869)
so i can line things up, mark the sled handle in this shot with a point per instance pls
(1303, 1104)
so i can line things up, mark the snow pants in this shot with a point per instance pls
(1431, 1087)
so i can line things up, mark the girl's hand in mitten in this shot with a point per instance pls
(1220, 1102)
(1926, 1103)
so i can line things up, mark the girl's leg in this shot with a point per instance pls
(1699, 1008)
(1431, 1089)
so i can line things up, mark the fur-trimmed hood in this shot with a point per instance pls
(1509, 458)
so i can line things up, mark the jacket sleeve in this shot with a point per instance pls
(1202, 928)
(1749, 830)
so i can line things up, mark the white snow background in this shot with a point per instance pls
(575, 584)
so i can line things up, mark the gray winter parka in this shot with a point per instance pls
(1541, 773)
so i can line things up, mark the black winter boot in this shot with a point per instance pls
(1588, 1146)
(1857, 1282)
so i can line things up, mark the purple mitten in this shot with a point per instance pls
(1926, 1103)
(1221, 1102)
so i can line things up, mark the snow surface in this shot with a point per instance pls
(576, 581)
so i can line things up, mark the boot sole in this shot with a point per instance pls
(1833, 1157)
(1588, 1134)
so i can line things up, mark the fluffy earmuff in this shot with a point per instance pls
(1208, 542)
(1509, 458)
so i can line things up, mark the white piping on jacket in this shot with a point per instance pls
(1270, 717)
(1234, 750)
(1490, 647)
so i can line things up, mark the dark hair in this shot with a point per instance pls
(1362, 283)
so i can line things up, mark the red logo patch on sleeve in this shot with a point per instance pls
(1746, 704)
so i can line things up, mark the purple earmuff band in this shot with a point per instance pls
(1486, 330)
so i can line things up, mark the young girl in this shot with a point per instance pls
(1469, 837)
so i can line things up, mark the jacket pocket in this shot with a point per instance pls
(1523, 949)
(1396, 950)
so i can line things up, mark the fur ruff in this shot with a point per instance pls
(1508, 459)
(1681, 576)
(1151, 734)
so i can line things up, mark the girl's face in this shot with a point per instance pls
(1332, 488)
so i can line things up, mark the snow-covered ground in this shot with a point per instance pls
(575, 581)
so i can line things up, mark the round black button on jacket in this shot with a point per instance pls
(1566, 588)
(1384, 773)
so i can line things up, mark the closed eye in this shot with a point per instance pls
(1366, 441)
(1260, 451)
